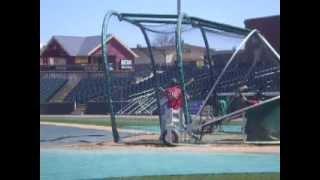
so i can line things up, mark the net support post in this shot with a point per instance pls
(108, 84)
(204, 36)
(269, 46)
(180, 67)
(224, 69)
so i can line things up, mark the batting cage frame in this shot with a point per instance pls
(140, 20)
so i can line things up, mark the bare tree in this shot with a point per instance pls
(164, 44)
(164, 40)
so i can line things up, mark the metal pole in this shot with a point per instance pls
(148, 103)
(136, 94)
(108, 83)
(178, 7)
(204, 36)
(238, 111)
(180, 67)
(270, 47)
(126, 108)
(224, 69)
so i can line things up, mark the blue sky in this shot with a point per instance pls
(84, 17)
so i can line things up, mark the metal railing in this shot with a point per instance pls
(73, 67)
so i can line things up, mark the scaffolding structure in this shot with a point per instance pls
(149, 100)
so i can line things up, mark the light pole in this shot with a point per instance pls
(178, 7)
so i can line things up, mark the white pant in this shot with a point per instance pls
(174, 116)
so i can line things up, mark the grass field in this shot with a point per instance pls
(121, 121)
(235, 176)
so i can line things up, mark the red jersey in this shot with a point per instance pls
(252, 102)
(174, 96)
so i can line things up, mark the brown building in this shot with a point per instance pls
(167, 55)
(79, 53)
(269, 27)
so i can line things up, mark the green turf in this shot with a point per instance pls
(121, 122)
(235, 176)
(233, 123)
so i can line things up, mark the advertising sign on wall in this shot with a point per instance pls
(126, 64)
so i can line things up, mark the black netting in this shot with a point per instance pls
(225, 75)
(248, 76)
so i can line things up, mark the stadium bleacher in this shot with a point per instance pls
(92, 89)
(48, 87)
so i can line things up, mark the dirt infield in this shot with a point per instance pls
(151, 142)
(82, 126)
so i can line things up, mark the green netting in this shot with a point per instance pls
(220, 59)
(263, 122)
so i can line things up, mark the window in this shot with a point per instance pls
(187, 50)
(111, 67)
(59, 61)
(51, 61)
(111, 60)
(45, 61)
(81, 60)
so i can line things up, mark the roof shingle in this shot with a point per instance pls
(71, 44)
(78, 46)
